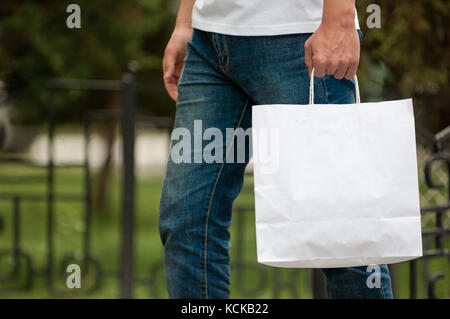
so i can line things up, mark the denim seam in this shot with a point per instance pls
(225, 47)
(205, 246)
(217, 51)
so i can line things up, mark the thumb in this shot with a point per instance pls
(308, 56)
(170, 81)
(168, 65)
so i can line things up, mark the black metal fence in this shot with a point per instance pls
(23, 272)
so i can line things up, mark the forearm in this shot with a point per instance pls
(175, 52)
(184, 17)
(339, 13)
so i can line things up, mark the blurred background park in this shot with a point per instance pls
(85, 125)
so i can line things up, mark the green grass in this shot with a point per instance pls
(105, 245)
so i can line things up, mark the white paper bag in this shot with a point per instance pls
(336, 185)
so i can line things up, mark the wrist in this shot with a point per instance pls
(184, 17)
(343, 21)
(182, 27)
(339, 14)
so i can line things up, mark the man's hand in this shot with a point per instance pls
(176, 48)
(174, 58)
(335, 47)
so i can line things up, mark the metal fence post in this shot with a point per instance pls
(128, 139)
(319, 285)
(50, 192)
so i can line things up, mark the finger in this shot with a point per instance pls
(178, 69)
(308, 56)
(171, 87)
(170, 80)
(331, 69)
(170, 83)
(351, 71)
(319, 65)
(341, 71)
(168, 65)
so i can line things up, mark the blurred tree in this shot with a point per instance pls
(409, 54)
(37, 45)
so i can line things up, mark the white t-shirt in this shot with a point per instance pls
(258, 17)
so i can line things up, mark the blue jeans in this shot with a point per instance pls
(223, 76)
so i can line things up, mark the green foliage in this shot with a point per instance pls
(37, 45)
(406, 56)
(410, 50)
